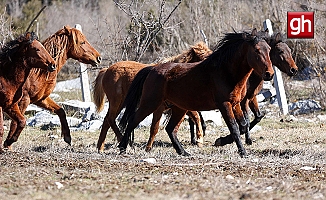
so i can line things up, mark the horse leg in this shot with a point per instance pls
(229, 118)
(242, 115)
(1, 130)
(192, 131)
(253, 104)
(142, 112)
(50, 105)
(199, 131)
(154, 127)
(109, 121)
(172, 128)
(244, 107)
(203, 124)
(16, 115)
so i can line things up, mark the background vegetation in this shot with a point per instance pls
(148, 31)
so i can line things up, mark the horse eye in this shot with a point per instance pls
(82, 42)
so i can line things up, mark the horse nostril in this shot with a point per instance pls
(99, 59)
(51, 67)
(293, 71)
(268, 76)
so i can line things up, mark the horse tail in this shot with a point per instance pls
(98, 92)
(133, 97)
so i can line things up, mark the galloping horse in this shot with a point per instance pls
(65, 43)
(281, 57)
(218, 82)
(17, 58)
(115, 81)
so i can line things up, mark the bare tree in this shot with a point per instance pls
(144, 25)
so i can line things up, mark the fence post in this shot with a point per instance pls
(278, 81)
(86, 93)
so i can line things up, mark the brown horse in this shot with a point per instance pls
(17, 58)
(218, 82)
(281, 57)
(65, 43)
(115, 81)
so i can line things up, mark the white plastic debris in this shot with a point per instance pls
(149, 160)
(59, 185)
(308, 168)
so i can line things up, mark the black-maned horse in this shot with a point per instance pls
(219, 82)
(281, 57)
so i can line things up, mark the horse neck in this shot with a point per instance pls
(238, 68)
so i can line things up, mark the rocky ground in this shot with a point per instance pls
(286, 161)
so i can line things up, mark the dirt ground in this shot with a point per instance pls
(286, 161)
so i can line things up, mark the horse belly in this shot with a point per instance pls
(191, 99)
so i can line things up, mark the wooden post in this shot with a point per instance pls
(278, 81)
(86, 93)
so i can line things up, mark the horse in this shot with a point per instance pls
(115, 81)
(218, 82)
(65, 43)
(17, 58)
(281, 57)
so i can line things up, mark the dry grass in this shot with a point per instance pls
(271, 171)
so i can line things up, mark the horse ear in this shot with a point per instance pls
(28, 36)
(67, 29)
(254, 32)
(278, 37)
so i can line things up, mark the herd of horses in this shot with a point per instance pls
(228, 79)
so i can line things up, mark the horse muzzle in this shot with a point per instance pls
(51, 67)
(97, 62)
(292, 72)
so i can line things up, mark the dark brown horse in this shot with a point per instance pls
(218, 82)
(65, 43)
(281, 57)
(17, 58)
(115, 81)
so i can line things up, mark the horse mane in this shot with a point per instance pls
(7, 52)
(56, 43)
(229, 44)
(199, 50)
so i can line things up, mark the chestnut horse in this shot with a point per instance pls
(218, 82)
(65, 43)
(17, 58)
(281, 57)
(115, 81)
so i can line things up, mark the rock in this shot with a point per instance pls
(321, 117)
(304, 107)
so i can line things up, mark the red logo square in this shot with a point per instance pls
(300, 25)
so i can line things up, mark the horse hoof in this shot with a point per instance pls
(249, 141)
(185, 154)
(122, 151)
(243, 154)
(218, 142)
(148, 149)
(67, 140)
(199, 144)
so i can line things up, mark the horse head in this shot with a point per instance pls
(35, 53)
(281, 55)
(258, 55)
(80, 48)
(27, 48)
